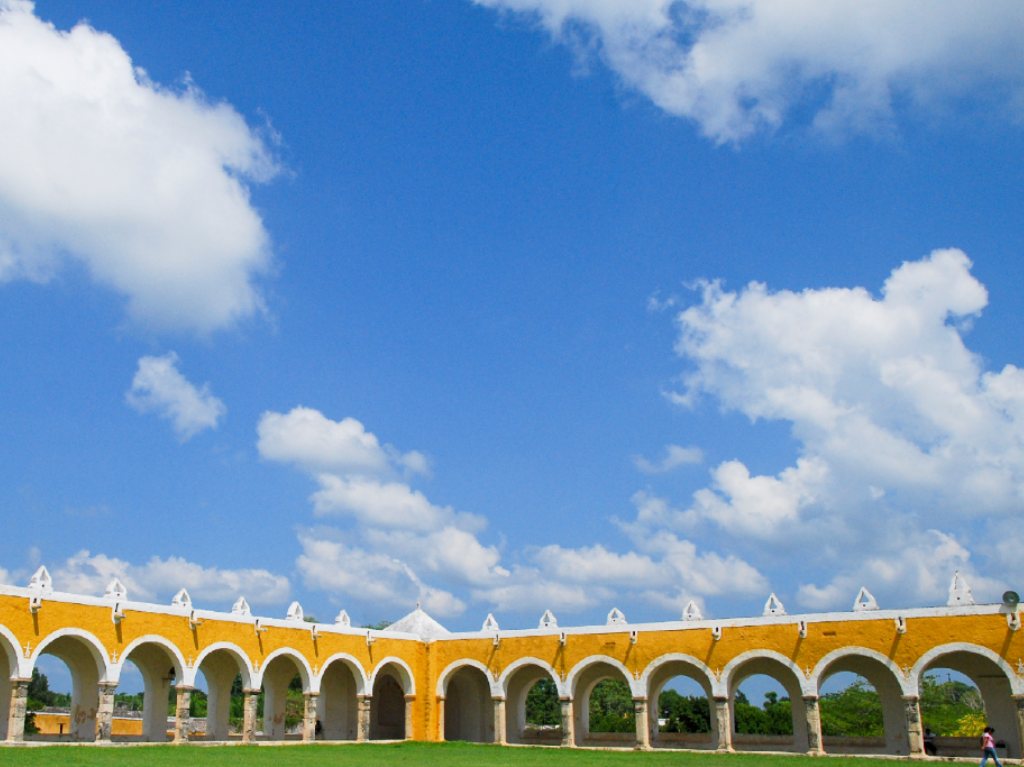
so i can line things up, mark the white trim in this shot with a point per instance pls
(727, 674)
(95, 646)
(454, 666)
(861, 652)
(1016, 685)
(677, 657)
(176, 657)
(593, 660)
(305, 670)
(353, 665)
(13, 652)
(245, 664)
(409, 683)
(529, 660)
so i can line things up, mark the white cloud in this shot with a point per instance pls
(158, 579)
(675, 456)
(158, 386)
(143, 185)
(739, 66)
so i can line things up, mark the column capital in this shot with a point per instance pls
(311, 694)
(251, 691)
(810, 698)
(184, 688)
(910, 698)
(498, 698)
(410, 696)
(107, 686)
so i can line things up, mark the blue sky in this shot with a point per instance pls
(513, 304)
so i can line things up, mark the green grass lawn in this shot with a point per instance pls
(378, 755)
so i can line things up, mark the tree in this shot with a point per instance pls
(611, 707)
(853, 712)
(542, 707)
(684, 713)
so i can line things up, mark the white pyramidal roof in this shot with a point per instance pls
(419, 623)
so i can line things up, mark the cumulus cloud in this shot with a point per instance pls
(736, 67)
(145, 186)
(159, 387)
(675, 456)
(158, 579)
(910, 453)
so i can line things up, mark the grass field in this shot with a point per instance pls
(402, 754)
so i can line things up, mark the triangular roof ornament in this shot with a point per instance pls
(615, 617)
(864, 601)
(692, 612)
(116, 590)
(241, 607)
(41, 582)
(774, 606)
(959, 591)
(182, 599)
(343, 619)
(295, 612)
(548, 620)
(490, 624)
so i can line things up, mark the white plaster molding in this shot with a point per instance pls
(864, 601)
(41, 583)
(729, 673)
(692, 612)
(959, 591)
(241, 607)
(353, 665)
(304, 669)
(593, 660)
(490, 623)
(116, 591)
(450, 670)
(616, 617)
(245, 666)
(182, 599)
(512, 668)
(548, 620)
(295, 613)
(774, 606)
(707, 682)
(13, 653)
(177, 659)
(820, 671)
(95, 647)
(932, 657)
(406, 676)
(343, 619)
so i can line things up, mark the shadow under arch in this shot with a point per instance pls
(160, 663)
(275, 676)
(515, 682)
(219, 664)
(781, 669)
(660, 672)
(393, 688)
(991, 674)
(341, 682)
(581, 681)
(9, 670)
(467, 688)
(890, 684)
(86, 659)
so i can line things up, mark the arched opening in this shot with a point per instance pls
(217, 714)
(468, 709)
(85, 666)
(767, 707)
(861, 708)
(533, 713)
(681, 710)
(603, 707)
(387, 710)
(338, 707)
(143, 699)
(8, 669)
(283, 705)
(961, 692)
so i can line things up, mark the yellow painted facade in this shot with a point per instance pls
(361, 684)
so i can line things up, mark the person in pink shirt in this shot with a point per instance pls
(988, 747)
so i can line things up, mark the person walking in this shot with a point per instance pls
(988, 747)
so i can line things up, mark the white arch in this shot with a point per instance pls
(246, 669)
(451, 668)
(914, 677)
(408, 678)
(591, 660)
(12, 649)
(860, 652)
(662, 660)
(353, 665)
(725, 678)
(511, 668)
(94, 645)
(305, 672)
(176, 657)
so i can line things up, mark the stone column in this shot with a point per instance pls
(1018, 701)
(643, 724)
(723, 718)
(309, 717)
(18, 710)
(105, 711)
(364, 705)
(499, 721)
(568, 725)
(915, 737)
(409, 718)
(250, 704)
(440, 718)
(813, 717)
(182, 717)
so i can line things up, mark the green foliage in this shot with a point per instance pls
(690, 713)
(775, 717)
(542, 707)
(611, 707)
(853, 712)
(378, 626)
(946, 705)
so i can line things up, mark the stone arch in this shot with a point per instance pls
(220, 663)
(890, 684)
(393, 688)
(341, 682)
(86, 659)
(784, 671)
(652, 681)
(151, 654)
(581, 681)
(991, 674)
(445, 676)
(275, 674)
(515, 683)
(10, 668)
(467, 688)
